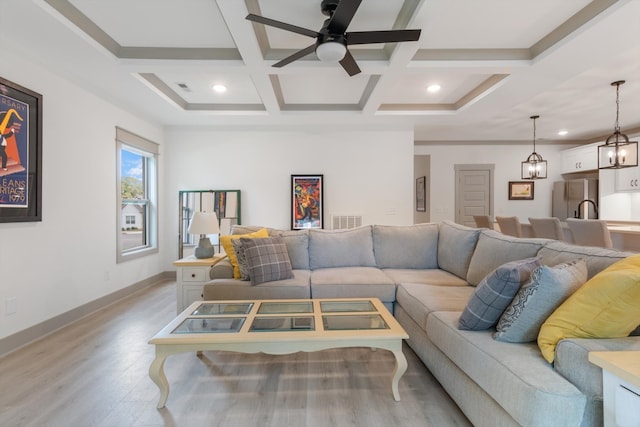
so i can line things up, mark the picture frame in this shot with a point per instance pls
(307, 201)
(521, 190)
(421, 194)
(20, 153)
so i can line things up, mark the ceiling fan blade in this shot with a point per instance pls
(299, 54)
(342, 16)
(349, 64)
(390, 36)
(282, 25)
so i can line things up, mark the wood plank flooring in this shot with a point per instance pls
(95, 373)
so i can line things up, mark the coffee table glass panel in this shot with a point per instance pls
(279, 327)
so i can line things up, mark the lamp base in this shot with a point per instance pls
(204, 249)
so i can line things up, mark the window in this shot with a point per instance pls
(137, 206)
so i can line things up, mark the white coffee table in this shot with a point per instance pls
(279, 327)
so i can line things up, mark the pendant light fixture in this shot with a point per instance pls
(618, 152)
(534, 167)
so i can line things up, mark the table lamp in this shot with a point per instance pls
(204, 223)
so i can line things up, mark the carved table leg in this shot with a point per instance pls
(156, 373)
(400, 369)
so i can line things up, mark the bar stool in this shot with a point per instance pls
(548, 228)
(590, 232)
(510, 225)
(483, 221)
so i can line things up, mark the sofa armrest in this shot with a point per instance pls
(221, 270)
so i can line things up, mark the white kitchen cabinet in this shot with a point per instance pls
(628, 179)
(580, 159)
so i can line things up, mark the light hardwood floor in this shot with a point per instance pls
(95, 373)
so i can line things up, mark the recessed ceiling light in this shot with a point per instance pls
(434, 88)
(219, 88)
(563, 132)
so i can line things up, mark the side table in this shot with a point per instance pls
(191, 274)
(620, 386)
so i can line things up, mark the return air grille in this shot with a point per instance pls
(340, 222)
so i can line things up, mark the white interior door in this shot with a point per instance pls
(474, 192)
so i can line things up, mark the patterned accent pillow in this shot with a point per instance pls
(267, 259)
(494, 293)
(238, 247)
(538, 298)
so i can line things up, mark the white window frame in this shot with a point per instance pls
(150, 150)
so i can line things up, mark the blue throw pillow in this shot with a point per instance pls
(494, 293)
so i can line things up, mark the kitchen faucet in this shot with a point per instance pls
(578, 213)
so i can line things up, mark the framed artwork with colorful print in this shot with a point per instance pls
(20, 153)
(307, 202)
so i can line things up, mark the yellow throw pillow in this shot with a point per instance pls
(607, 306)
(231, 253)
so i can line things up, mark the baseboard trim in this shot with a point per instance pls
(20, 339)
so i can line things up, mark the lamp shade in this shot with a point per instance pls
(618, 155)
(534, 167)
(204, 223)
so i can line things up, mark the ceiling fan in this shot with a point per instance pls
(332, 39)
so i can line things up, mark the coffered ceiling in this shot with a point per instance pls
(497, 63)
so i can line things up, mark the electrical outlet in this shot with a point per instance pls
(11, 305)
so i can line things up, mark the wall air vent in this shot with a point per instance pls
(343, 222)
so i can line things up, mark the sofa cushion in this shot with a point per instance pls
(494, 249)
(233, 289)
(607, 306)
(267, 259)
(231, 253)
(419, 300)
(413, 246)
(341, 248)
(538, 298)
(297, 242)
(429, 277)
(456, 244)
(514, 375)
(572, 362)
(597, 259)
(495, 292)
(352, 282)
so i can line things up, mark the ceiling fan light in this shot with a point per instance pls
(331, 51)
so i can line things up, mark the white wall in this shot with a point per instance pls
(507, 160)
(365, 173)
(69, 258)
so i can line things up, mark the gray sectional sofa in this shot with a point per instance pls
(425, 274)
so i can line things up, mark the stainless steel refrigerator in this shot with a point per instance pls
(568, 194)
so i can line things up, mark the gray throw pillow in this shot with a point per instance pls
(267, 259)
(538, 298)
(238, 247)
(494, 293)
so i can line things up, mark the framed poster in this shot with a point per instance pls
(306, 202)
(20, 153)
(421, 194)
(520, 190)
